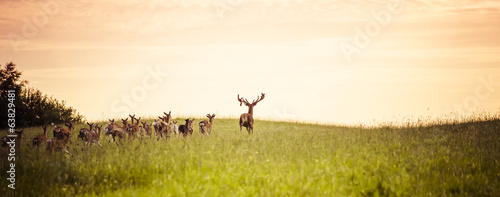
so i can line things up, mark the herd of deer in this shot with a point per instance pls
(163, 128)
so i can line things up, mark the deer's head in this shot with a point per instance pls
(211, 117)
(253, 103)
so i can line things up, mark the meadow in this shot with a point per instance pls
(279, 159)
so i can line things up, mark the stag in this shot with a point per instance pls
(246, 119)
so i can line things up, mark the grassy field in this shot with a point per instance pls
(279, 159)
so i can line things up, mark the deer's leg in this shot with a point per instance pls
(114, 139)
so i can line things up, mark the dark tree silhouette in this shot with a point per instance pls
(32, 107)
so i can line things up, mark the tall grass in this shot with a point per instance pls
(279, 159)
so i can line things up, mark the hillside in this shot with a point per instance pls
(278, 159)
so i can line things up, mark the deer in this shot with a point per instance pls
(41, 138)
(95, 137)
(187, 129)
(128, 127)
(108, 133)
(206, 126)
(161, 128)
(125, 122)
(70, 129)
(156, 125)
(132, 117)
(5, 149)
(175, 128)
(246, 119)
(167, 117)
(167, 129)
(62, 137)
(146, 129)
(91, 135)
(114, 130)
(85, 133)
(58, 145)
(62, 133)
(18, 140)
(133, 129)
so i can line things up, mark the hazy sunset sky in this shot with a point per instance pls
(419, 57)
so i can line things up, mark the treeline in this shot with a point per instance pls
(32, 107)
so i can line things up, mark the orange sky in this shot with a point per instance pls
(419, 57)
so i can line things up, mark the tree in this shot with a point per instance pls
(32, 107)
(10, 79)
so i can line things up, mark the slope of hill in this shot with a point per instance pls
(278, 159)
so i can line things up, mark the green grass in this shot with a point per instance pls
(279, 159)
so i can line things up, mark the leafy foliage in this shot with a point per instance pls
(31, 105)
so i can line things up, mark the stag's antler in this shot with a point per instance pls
(254, 102)
(243, 100)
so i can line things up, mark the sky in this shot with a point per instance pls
(328, 61)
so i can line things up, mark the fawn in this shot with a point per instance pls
(175, 127)
(187, 129)
(146, 129)
(62, 138)
(114, 130)
(18, 141)
(85, 133)
(40, 138)
(206, 126)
